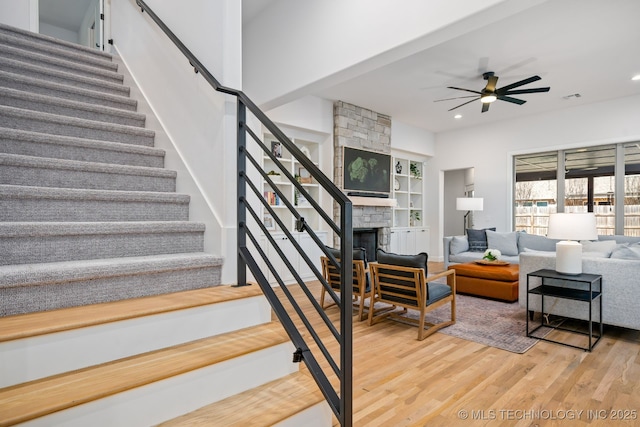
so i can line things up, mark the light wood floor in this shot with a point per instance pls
(447, 381)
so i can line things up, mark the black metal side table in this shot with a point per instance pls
(579, 287)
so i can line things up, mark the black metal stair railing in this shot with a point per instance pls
(251, 230)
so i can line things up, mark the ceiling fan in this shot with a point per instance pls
(489, 94)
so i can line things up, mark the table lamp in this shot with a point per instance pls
(570, 228)
(469, 204)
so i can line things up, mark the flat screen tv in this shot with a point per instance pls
(366, 172)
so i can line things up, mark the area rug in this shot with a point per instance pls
(489, 322)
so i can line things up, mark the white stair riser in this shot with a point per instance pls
(38, 357)
(170, 398)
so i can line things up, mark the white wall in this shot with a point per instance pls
(20, 13)
(294, 46)
(92, 14)
(58, 32)
(489, 149)
(200, 122)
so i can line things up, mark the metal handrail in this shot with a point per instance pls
(339, 401)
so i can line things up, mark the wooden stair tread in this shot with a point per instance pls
(45, 322)
(34, 399)
(265, 405)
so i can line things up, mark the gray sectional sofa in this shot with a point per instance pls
(457, 248)
(616, 258)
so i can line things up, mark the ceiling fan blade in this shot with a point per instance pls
(521, 91)
(475, 99)
(459, 97)
(485, 106)
(491, 83)
(520, 83)
(467, 90)
(510, 99)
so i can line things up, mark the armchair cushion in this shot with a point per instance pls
(416, 261)
(437, 291)
(358, 254)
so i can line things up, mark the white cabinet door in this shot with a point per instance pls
(314, 253)
(421, 239)
(289, 252)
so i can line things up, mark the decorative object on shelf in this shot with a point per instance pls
(414, 218)
(398, 168)
(469, 204)
(305, 177)
(268, 222)
(492, 254)
(570, 228)
(275, 176)
(305, 151)
(396, 184)
(415, 171)
(276, 149)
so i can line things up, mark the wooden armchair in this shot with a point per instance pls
(401, 281)
(361, 288)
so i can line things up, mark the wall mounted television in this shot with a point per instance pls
(366, 172)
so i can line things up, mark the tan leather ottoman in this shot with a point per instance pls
(492, 281)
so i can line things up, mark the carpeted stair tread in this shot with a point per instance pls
(64, 107)
(38, 274)
(36, 144)
(24, 203)
(44, 73)
(25, 402)
(47, 163)
(45, 286)
(60, 90)
(266, 405)
(35, 121)
(47, 229)
(54, 51)
(59, 64)
(49, 41)
(65, 319)
(17, 169)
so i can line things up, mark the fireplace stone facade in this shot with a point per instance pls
(359, 127)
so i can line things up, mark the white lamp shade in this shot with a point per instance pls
(469, 203)
(572, 226)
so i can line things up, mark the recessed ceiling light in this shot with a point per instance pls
(636, 77)
(457, 116)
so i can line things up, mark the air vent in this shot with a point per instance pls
(575, 95)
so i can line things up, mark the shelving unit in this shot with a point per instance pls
(311, 149)
(407, 190)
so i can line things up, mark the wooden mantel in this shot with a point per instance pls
(373, 201)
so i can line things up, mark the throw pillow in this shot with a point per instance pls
(627, 251)
(605, 246)
(478, 239)
(506, 243)
(537, 243)
(458, 245)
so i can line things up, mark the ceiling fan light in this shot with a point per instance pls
(486, 99)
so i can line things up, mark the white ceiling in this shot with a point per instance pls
(585, 47)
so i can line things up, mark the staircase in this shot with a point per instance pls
(111, 313)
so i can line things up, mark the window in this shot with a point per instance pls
(589, 184)
(535, 191)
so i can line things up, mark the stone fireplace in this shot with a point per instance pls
(359, 127)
